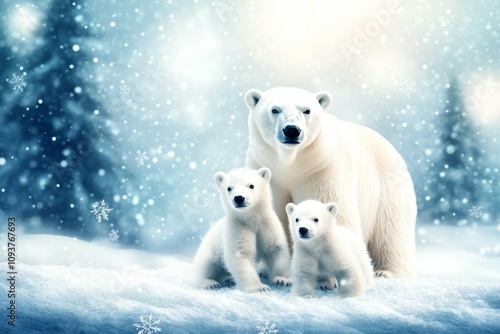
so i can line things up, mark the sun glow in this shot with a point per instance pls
(23, 22)
(483, 100)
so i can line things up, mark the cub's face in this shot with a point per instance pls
(243, 188)
(310, 219)
(288, 117)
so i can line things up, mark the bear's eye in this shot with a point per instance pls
(275, 111)
(316, 220)
(296, 220)
(307, 112)
(229, 188)
(251, 186)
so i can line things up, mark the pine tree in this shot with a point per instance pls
(458, 181)
(59, 157)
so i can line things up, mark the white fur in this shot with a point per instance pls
(325, 250)
(336, 161)
(250, 232)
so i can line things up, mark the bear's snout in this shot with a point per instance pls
(239, 199)
(292, 132)
(303, 231)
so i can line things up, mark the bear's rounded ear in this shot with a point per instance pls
(324, 99)
(252, 97)
(219, 178)
(265, 173)
(333, 208)
(289, 209)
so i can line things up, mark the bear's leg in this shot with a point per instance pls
(278, 262)
(392, 246)
(245, 276)
(304, 275)
(239, 258)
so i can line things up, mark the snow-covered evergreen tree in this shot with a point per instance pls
(457, 178)
(59, 158)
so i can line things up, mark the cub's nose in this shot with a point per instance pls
(239, 199)
(291, 131)
(303, 230)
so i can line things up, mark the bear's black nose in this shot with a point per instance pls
(239, 199)
(291, 131)
(303, 230)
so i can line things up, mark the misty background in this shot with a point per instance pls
(138, 104)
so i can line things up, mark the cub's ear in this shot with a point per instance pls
(324, 100)
(265, 173)
(289, 209)
(333, 208)
(252, 97)
(219, 177)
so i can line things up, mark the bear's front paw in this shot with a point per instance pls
(282, 281)
(209, 284)
(327, 284)
(229, 280)
(257, 288)
(384, 274)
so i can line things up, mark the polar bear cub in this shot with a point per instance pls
(323, 249)
(250, 232)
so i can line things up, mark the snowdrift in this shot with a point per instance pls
(66, 285)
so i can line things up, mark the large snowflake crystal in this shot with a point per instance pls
(408, 88)
(100, 210)
(113, 235)
(18, 82)
(267, 328)
(476, 211)
(147, 325)
(140, 157)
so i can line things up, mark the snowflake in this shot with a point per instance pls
(408, 88)
(267, 328)
(113, 235)
(209, 202)
(124, 91)
(18, 82)
(140, 157)
(100, 210)
(476, 211)
(148, 325)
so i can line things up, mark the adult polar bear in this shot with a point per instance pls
(313, 155)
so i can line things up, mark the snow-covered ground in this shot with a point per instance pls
(70, 286)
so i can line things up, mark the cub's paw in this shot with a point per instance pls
(282, 281)
(257, 288)
(209, 284)
(384, 274)
(328, 284)
(229, 280)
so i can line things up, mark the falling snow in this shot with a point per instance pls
(147, 325)
(100, 210)
(113, 235)
(18, 82)
(267, 328)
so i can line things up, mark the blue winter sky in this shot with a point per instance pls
(173, 74)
